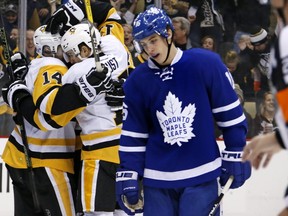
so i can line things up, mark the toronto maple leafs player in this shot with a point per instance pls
(167, 141)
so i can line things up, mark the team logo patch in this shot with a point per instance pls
(176, 123)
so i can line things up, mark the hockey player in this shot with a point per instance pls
(51, 152)
(167, 138)
(100, 126)
(105, 18)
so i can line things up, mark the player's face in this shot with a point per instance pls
(156, 47)
(72, 58)
(48, 53)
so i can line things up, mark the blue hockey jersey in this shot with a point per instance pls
(168, 128)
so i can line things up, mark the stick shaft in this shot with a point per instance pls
(6, 47)
(220, 197)
(99, 67)
(7, 52)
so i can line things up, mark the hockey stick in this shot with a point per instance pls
(4, 43)
(21, 125)
(99, 67)
(220, 197)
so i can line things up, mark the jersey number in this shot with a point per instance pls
(55, 76)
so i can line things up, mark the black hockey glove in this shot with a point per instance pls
(115, 97)
(93, 84)
(14, 92)
(65, 17)
(19, 65)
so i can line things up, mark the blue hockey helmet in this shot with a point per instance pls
(151, 21)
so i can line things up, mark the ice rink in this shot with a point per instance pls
(262, 194)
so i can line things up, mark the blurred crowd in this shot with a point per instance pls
(240, 31)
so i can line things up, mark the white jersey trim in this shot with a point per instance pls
(132, 149)
(134, 134)
(232, 122)
(226, 108)
(183, 174)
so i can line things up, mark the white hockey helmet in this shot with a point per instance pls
(42, 38)
(77, 35)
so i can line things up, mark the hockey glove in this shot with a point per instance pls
(14, 92)
(115, 98)
(232, 165)
(127, 192)
(19, 65)
(94, 83)
(65, 17)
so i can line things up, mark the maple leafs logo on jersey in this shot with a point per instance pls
(175, 123)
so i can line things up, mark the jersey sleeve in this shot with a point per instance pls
(226, 107)
(135, 129)
(46, 93)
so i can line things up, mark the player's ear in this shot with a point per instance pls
(170, 34)
(85, 51)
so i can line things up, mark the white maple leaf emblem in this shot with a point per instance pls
(175, 123)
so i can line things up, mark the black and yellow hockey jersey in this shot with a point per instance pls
(54, 148)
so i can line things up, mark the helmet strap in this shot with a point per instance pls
(169, 46)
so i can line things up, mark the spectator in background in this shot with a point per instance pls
(175, 8)
(14, 39)
(126, 9)
(245, 15)
(244, 41)
(43, 9)
(240, 72)
(209, 43)
(54, 5)
(30, 47)
(10, 17)
(260, 62)
(117, 4)
(181, 32)
(205, 20)
(128, 40)
(264, 121)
